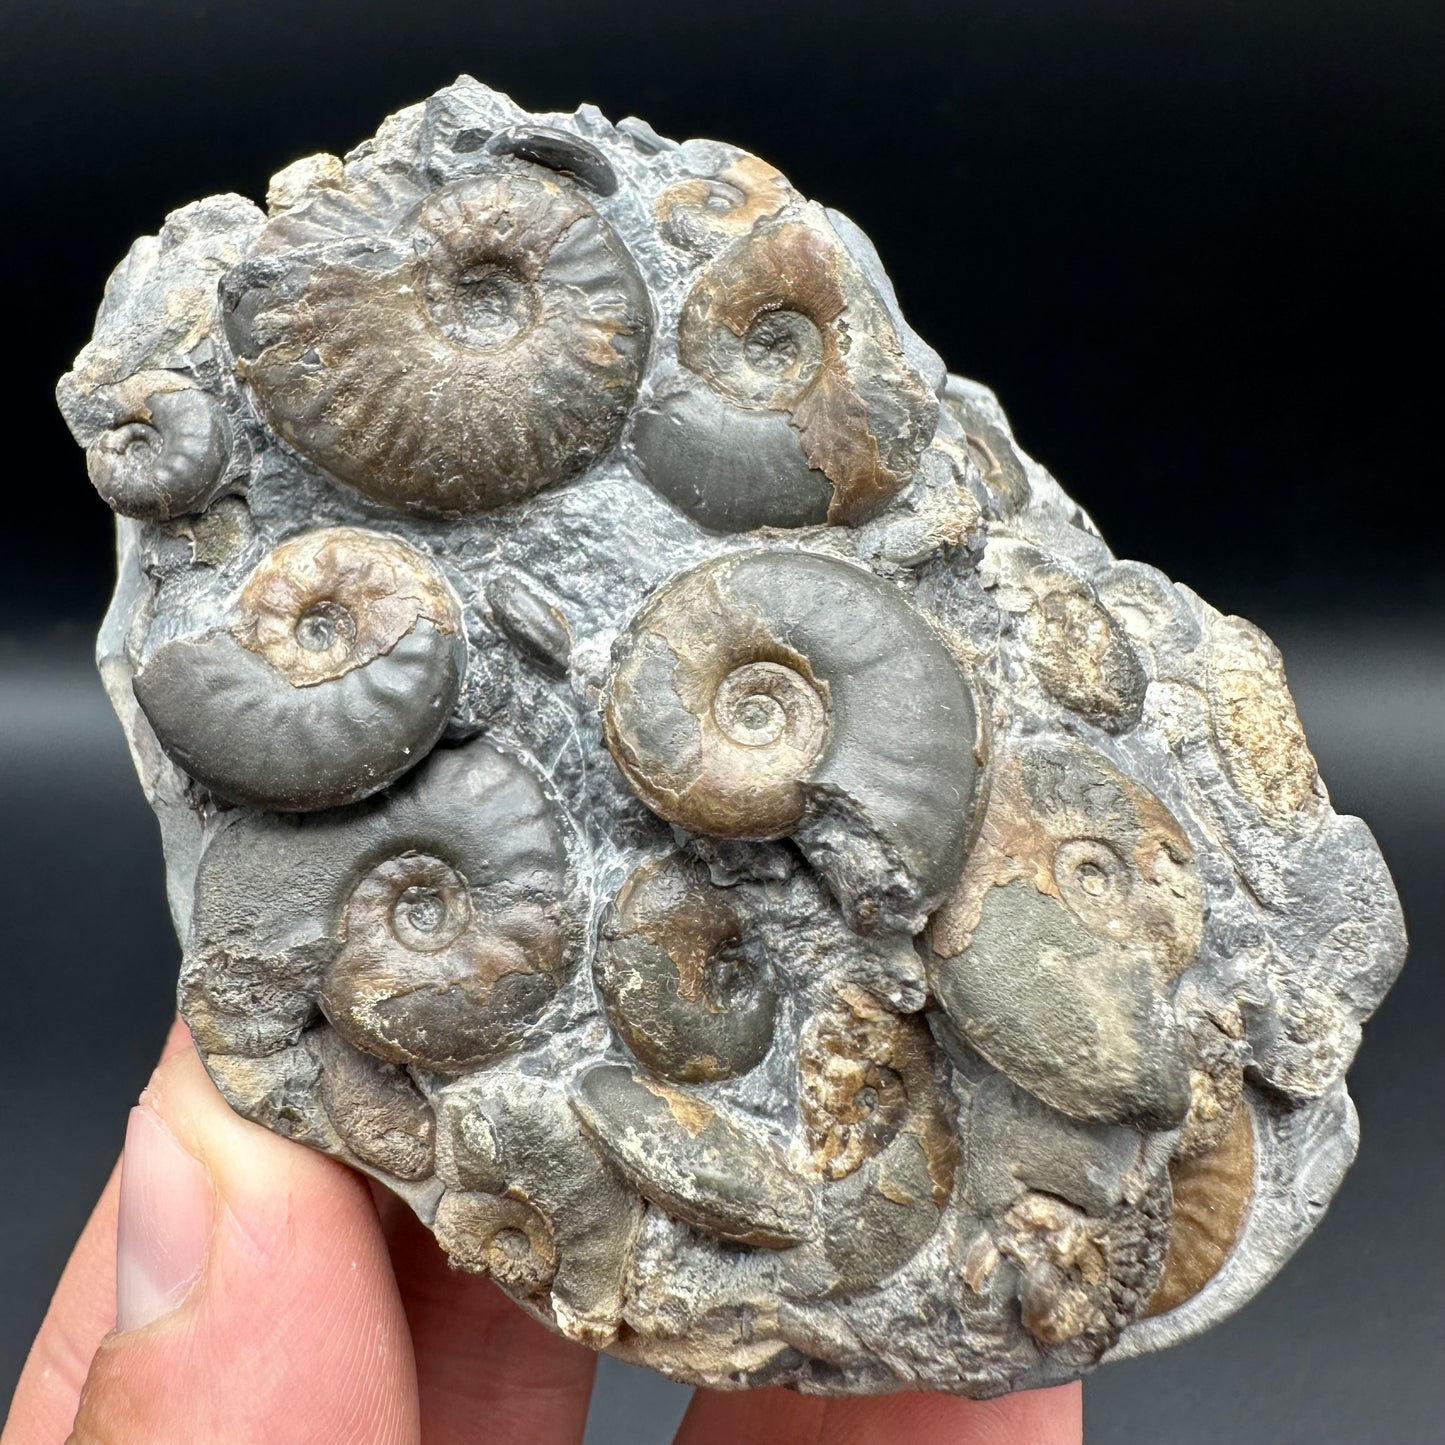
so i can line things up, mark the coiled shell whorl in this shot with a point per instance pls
(799, 405)
(431, 926)
(1058, 954)
(673, 980)
(705, 212)
(340, 668)
(485, 344)
(745, 701)
(166, 457)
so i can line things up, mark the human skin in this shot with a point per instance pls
(234, 1288)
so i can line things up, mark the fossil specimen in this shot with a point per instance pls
(653, 773)
(339, 672)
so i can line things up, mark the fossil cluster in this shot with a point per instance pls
(652, 772)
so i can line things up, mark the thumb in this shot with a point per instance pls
(254, 1297)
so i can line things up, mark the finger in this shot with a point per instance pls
(81, 1313)
(750, 1417)
(778, 1417)
(254, 1298)
(485, 1370)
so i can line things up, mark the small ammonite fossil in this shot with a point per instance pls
(675, 980)
(334, 670)
(165, 456)
(795, 402)
(653, 773)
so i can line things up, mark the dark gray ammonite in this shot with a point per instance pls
(335, 672)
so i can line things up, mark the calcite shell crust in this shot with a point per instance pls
(652, 772)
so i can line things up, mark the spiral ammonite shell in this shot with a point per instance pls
(704, 211)
(498, 1235)
(486, 346)
(744, 701)
(167, 457)
(676, 985)
(653, 774)
(800, 396)
(431, 927)
(340, 668)
(1058, 954)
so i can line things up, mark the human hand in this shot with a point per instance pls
(234, 1289)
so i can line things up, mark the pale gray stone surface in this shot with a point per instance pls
(998, 871)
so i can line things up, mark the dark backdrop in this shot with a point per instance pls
(1194, 246)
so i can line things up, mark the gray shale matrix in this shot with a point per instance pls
(651, 772)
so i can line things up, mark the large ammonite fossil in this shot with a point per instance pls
(652, 773)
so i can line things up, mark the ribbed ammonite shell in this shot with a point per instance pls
(653, 773)
(448, 351)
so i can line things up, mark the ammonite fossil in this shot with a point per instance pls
(654, 774)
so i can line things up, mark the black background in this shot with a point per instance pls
(1196, 247)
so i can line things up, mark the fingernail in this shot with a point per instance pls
(166, 1210)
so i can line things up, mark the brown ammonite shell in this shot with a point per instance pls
(430, 928)
(744, 701)
(485, 344)
(1058, 954)
(653, 774)
(797, 403)
(704, 212)
(675, 980)
(1211, 1192)
(165, 456)
(781, 322)
(330, 601)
